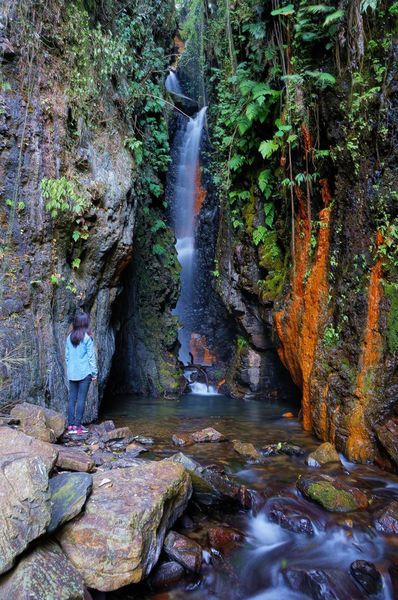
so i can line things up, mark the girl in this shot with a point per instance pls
(81, 368)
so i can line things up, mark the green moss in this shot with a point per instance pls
(249, 212)
(391, 292)
(330, 498)
(271, 258)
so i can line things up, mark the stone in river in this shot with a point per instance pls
(144, 439)
(225, 539)
(121, 433)
(325, 453)
(73, 459)
(248, 451)
(24, 504)
(118, 537)
(208, 435)
(183, 550)
(331, 493)
(134, 449)
(16, 441)
(103, 427)
(322, 584)
(44, 574)
(386, 520)
(69, 492)
(294, 514)
(367, 576)
(166, 575)
(182, 439)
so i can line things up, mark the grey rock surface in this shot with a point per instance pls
(69, 492)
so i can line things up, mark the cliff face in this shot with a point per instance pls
(75, 119)
(307, 254)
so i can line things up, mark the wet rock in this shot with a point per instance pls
(123, 462)
(209, 487)
(325, 453)
(24, 504)
(386, 520)
(121, 433)
(183, 550)
(118, 537)
(73, 459)
(393, 572)
(33, 422)
(44, 574)
(17, 441)
(322, 584)
(144, 439)
(225, 539)
(135, 449)
(208, 435)
(332, 494)
(388, 437)
(182, 439)
(248, 451)
(367, 576)
(69, 492)
(292, 514)
(282, 448)
(166, 575)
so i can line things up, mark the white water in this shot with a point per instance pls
(183, 221)
(201, 389)
(172, 84)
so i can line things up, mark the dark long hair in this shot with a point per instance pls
(81, 326)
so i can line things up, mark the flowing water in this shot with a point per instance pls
(172, 84)
(255, 571)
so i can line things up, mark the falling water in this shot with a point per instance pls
(183, 221)
(172, 84)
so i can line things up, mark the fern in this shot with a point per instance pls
(335, 16)
(267, 148)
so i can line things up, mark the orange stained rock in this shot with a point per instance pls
(359, 443)
(200, 193)
(220, 383)
(323, 416)
(288, 415)
(199, 350)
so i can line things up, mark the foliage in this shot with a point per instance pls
(331, 336)
(63, 197)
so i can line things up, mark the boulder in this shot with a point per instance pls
(322, 584)
(32, 421)
(386, 520)
(120, 433)
(248, 451)
(332, 494)
(183, 550)
(69, 492)
(367, 576)
(19, 442)
(55, 421)
(209, 487)
(225, 539)
(24, 504)
(73, 459)
(325, 453)
(166, 575)
(118, 537)
(44, 574)
(182, 439)
(208, 435)
(295, 515)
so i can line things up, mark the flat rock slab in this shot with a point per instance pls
(118, 537)
(134, 449)
(24, 505)
(208, 435)
(121, 433)
(332, 494)
(183, 550)
(248, 451)
(69, 492)
(182, 439)
(44, 574)
(325, 453)
(386, 520)
(73, 459)
(17, 441)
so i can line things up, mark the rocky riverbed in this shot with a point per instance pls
(201, 514)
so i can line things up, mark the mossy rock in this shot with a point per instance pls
(332, 494)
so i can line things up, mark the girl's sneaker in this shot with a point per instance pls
(82, 429)
(72, 429)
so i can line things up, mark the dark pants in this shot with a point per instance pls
(77, 397)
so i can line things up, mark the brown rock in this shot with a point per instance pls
(208, 435)
(332, 494)
(182, 439)
(19, 442)
(55, 421)
(325, 453)
(248, 451)
(167, 575)
(32, 421)
(73, 459)
(135, 449)
(386, 520)
(388, 437)
(184, 550)
(120, 433)
(118, 537)
(225, 539)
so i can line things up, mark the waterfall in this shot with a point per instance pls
(183, 202)
(172, 84)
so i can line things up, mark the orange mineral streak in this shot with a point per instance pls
(199, 350)
(359, 444)
(298, 326)
(323, 425)
(200, 193)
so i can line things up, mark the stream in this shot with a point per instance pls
(254, 571)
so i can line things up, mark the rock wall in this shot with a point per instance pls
(68, 110)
